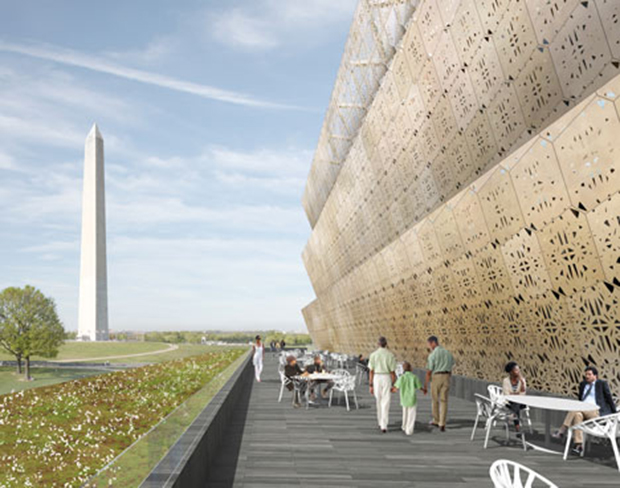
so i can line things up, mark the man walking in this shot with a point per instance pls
(438, 373)
(382, 365)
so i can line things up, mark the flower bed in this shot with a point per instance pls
(63, 434)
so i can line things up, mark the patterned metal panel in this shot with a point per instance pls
(478, 200)
(539, 186)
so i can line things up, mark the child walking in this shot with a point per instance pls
(408, 384)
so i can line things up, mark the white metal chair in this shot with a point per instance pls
(283, 382)
(341, 372)
(496, 394)
(508, 474)
(492, 413)
(344, 385)
(607, 427)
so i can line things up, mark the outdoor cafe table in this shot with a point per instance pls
(548, 404)
(317, 377)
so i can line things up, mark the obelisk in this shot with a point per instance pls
(93, 309)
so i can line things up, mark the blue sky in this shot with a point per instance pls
(210, 112)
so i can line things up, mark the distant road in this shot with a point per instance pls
(171, 347)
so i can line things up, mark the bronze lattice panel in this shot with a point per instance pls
(478, 198)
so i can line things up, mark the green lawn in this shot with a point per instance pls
(103, 416)
(11, 381)
(85, 350)
(184, 350)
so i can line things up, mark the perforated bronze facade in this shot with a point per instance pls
(479, 198)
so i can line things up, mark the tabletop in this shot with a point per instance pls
(320, 376)
(552, 403)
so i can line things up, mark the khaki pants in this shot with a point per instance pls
(409, 414)
(574, 418)
(382, 384)
(440, 387)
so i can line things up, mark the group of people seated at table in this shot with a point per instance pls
(591, 390)
(293, 370)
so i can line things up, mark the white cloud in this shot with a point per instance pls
(6, 161)
(39, 131)
(281, 162)
(262, 25)
(286, 185)
(168, 210)
(101, 65)
(52, 247)
(153, 53)
(239, 29)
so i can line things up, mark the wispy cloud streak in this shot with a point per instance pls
(94, 63)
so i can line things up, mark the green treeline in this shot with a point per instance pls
(192, 337)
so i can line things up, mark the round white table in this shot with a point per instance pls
(548, 404)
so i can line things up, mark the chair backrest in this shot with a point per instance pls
(484, 405)
(341, 372)
(606, 426)
(496, 393)
(283, 377)
(346, 383)
(508, 474)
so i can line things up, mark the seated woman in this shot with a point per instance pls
(514, 384)
(291, 370)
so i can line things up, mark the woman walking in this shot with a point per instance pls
(258, 351)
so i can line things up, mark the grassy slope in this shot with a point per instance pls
(136, 463)
(11, 381)
(132, 401)
(183, 351)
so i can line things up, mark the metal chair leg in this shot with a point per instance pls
(614, 446)
(529, 422)
(473, 432)
(569, 437)
(489, 425)
(346, 399)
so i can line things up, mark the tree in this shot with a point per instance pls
(29, 325)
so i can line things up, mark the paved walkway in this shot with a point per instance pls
(272, 444)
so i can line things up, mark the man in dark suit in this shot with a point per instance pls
(594, 391)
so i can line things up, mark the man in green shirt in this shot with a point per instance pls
(382, 366)
(407, 384)
(439, 371)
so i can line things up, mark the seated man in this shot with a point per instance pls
(291, 370)
(594, 391)
(318, 367)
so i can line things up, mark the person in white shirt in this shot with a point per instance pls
(258, 353)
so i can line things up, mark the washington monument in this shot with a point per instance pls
(93, 310)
